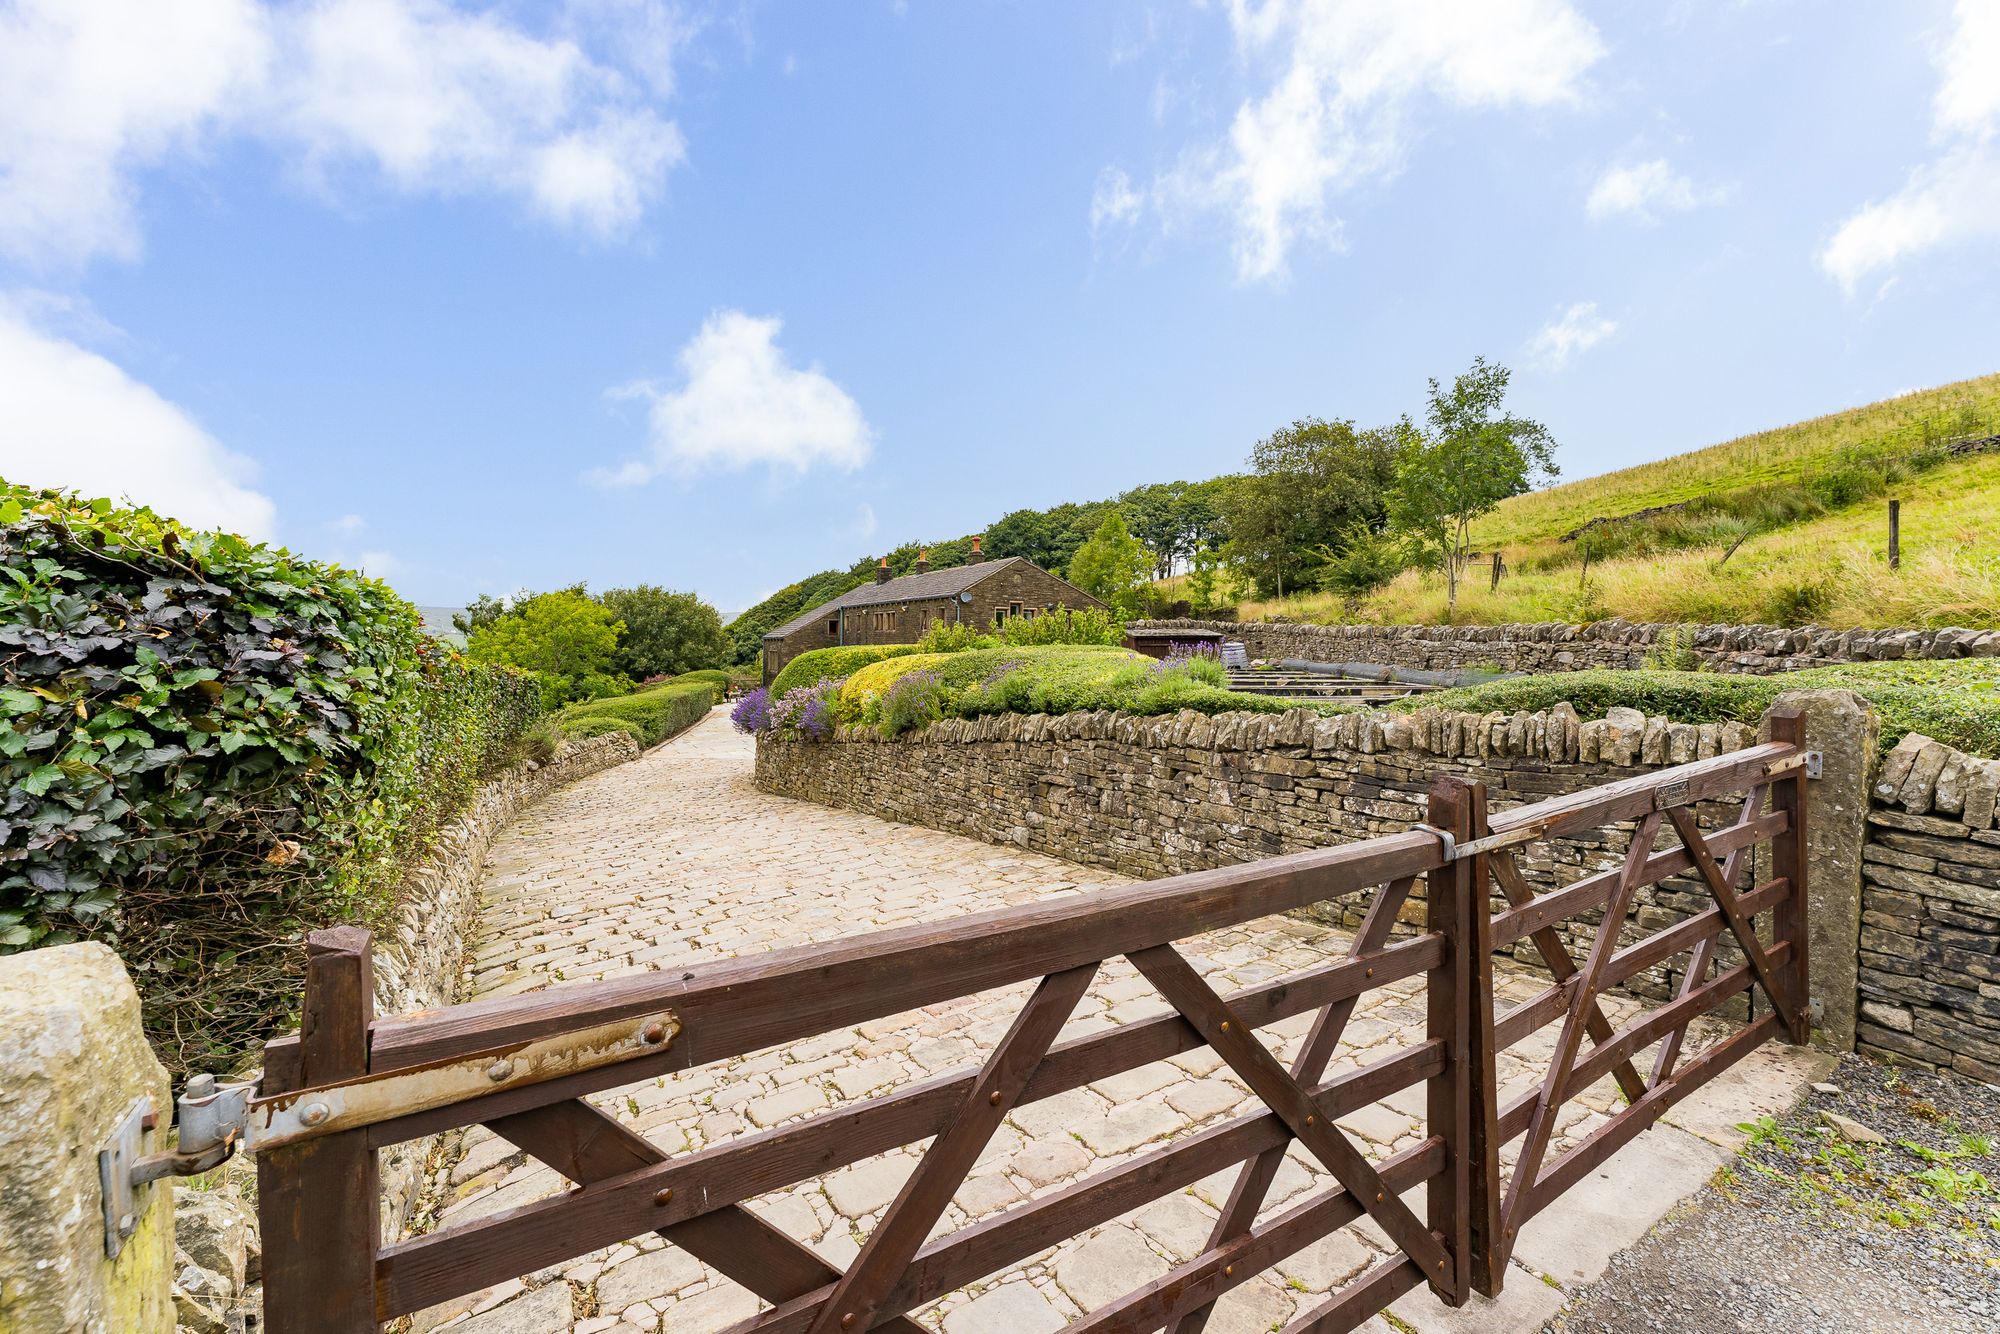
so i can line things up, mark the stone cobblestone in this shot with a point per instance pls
(677, 859)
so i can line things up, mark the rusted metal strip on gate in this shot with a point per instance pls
(326, 1109)
(522, 1067)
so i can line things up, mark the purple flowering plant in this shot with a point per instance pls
(808, 712)
(752, 713)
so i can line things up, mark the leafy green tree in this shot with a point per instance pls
(567, 639)
(1309, 485)
(1112, 565)
(666, 633)
(1466, 458)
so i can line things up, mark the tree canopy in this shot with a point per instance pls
(666, 633)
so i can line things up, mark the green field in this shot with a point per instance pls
(1787, 526)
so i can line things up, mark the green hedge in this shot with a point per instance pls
(211, 745)
(1954, 701)
(714, 676)
(650, 715)
(835, 663)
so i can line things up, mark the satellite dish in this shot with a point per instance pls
(965, 597)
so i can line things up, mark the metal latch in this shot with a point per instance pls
(211, 1117)
(1815, 762)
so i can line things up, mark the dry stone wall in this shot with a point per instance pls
(1758, 650)
(1930, 912)
(1160, 796)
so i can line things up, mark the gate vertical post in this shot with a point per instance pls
(1788, 859)
(1489, 1265)
(318, 1203)
(1450, 1019)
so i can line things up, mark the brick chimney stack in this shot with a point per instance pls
(977, 555)
(882, 575)
(923, 565)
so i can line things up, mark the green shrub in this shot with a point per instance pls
(650, 715)
(211, 745)
(584, 727)
(1092, 625)
(714, 676)
(838, 663)
(954, 637)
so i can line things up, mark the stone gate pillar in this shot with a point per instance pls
(1846, 733)
(73, 1061)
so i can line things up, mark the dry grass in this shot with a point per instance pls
(1833, 571)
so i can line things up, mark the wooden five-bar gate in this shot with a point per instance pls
(523, 1066)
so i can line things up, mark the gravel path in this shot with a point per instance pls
(1813, 1229)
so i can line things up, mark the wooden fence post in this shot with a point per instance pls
(1788, 858)
(1451, 1020)
(1895, 534)
(1488, 1272)
(318, 1203)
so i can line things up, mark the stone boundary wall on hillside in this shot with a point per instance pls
(1160, 796)
(1930, 901)
(1757, 650)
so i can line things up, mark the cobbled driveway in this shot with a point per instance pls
(676, 858)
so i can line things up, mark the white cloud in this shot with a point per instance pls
(348, 524)
(92, 93)
(741, 404)
(1344, 77)
(69, 418)
(380, 564)
(1577, 329)
(1954, 198)
(413, 94)
(1644, 190)
(1115, 202)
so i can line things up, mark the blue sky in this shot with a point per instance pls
(714, 296)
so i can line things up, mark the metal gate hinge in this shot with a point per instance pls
(1815, 762)
(211, 1118)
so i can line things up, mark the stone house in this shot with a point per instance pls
(898, 610)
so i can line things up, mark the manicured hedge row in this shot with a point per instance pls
(832, 663)
(1956, 701)
(210, 745)
(650, 716)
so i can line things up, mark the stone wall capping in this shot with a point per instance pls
(1617, 643)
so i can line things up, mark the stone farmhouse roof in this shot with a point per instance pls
(946, 583)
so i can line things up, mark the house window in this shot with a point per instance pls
(1029, 613)
(999, 616)
(833, 627)
(1014, 609)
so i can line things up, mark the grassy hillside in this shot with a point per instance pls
(1787, 454)
(1787, 526)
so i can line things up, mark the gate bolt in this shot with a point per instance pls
(499, 1071)
(314, 1113)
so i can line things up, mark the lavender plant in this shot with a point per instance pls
(752, 713)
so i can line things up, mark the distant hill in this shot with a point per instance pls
(437, 621)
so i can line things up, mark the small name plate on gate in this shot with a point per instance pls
(1669, 795)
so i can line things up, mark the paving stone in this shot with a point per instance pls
(1127, 1127)
(1011, 1308)
(530, 1313)
(716, 1309)
(1107, 1265)
(865, 1188)
(786, 1104)
(1178, 1223)
(1329, 1262)
(645, 1277)
(1257, 1307)
(1046, 1161)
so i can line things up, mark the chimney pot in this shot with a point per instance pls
(882, 575)
(977, 555)
(923, 565)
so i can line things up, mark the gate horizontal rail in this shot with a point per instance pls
(348, 1085)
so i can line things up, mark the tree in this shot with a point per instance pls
(666, 633)
(1111, 565)
(567, 639)
(1309, 485)
(1466, 458)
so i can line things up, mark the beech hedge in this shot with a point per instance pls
(211, 745)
